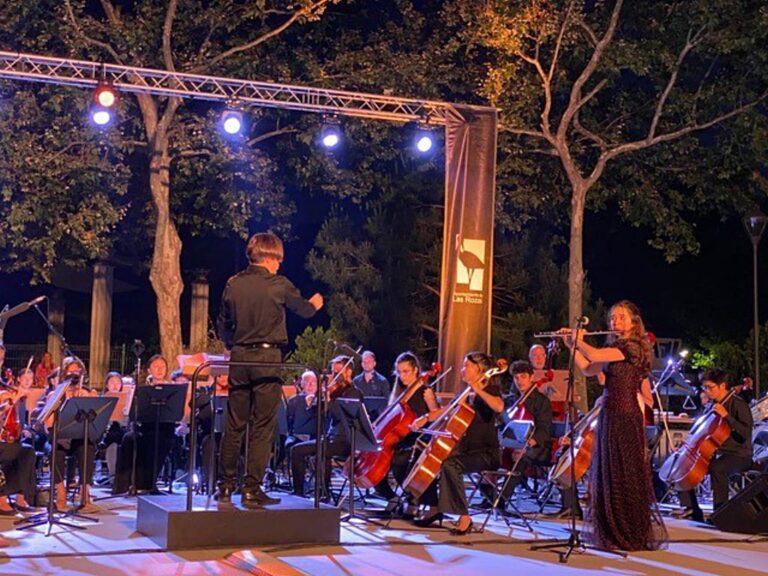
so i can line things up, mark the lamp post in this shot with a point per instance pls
(754, 223)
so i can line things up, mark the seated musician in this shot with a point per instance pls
(424, 405)
(537, 407)
(735, 454)
(301, 414)
(479, 447)
(17, 462)
(74, 371)
(144, 439)
(338, 442)
(113, 436)
(369, 381)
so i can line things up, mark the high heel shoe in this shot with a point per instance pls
(456, 531)
(429, 520)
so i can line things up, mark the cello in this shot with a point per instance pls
(447, 431)
(687, 467)
(392, 425)
(583, 439)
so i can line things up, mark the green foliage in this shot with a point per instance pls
(312, 348)
(63, 183)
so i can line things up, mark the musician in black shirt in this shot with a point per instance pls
(479, 447)
(538, 450)
(338, 444)
(252, 325)
(735, 455)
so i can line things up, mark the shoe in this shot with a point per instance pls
(427, 521)
(10, 512)
(256, 498)
(27, 509)
(455, 531)
(224, 493)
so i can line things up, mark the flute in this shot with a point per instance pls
(564, 334)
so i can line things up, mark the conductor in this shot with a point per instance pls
(252, 325)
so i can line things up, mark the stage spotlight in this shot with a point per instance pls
(103, 103)
(330, 135)
(683, 353)
(424, 142)
(232, 122)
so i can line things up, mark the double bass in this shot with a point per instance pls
(687, 467)
(447, 431)
(392, 425)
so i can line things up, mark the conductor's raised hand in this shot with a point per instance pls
(317, 301)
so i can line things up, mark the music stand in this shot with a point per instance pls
(83, 419)
(53, 406)
(356, 422)
(155, 404)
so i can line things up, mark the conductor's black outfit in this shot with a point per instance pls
(252, 325)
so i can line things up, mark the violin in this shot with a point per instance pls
(11, 427)
(390, 428)
(447, 431)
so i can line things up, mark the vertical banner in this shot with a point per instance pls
(466, 281)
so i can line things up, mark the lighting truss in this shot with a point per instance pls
(85, 74)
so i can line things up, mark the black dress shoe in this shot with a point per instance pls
(429, 520)
(256, 498)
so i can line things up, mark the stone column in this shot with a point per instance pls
(56, 317)
(101, 322)
(198, 319)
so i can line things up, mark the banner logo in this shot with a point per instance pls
(470, 267)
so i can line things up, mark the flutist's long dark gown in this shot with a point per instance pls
(623, 509)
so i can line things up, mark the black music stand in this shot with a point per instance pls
(358, 427)
(83, 419)
(155, 404)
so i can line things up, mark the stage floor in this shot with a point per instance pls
(114, 547)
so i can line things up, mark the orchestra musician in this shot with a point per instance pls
(74, 370)
(479, 447)
(425, 406)
(735, 454)
(338, 444)
(623, 509)
(369, 381)
(17, 462)
(537, 408)
(252, 325)
(143, 435)
(113, 436)
(301, 414)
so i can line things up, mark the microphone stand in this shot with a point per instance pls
(574, 540)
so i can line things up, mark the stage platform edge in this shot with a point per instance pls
(166, 521)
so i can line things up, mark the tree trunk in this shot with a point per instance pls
(576, 275)
(165, 274)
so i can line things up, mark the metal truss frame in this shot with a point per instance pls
(85, 74)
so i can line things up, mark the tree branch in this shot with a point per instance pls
(522, 132)
(601, 143)
(87, 39)
(690, 44)
(575, 98)
(669, 136)
(170, 13)
(559, 42)
(272, 134)
(111, 13)
(264, 37)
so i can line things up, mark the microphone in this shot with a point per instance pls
(20, 308)
(582, 320)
